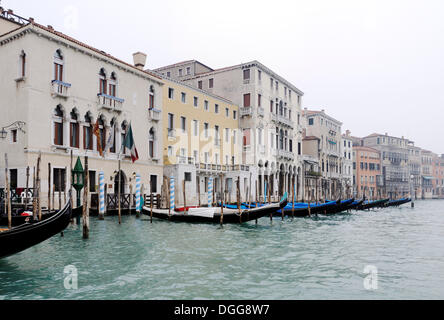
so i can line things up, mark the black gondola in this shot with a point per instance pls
(314, 209)
(30, 234)
(213, 215)
(341, 207)
(397, 203)
(372, 204)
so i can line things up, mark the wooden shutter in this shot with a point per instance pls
(246, 100)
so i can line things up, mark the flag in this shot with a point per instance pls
(110, 141)
(97, 134)
(129, 143)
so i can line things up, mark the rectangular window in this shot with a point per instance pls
(196, 128)
(170, 151)
(102, 86)
(74, 134)
(58, 133)
(58, 72)
(259, 75)
(14, 135)
(180, 72)
(59, 179)
(200, 85)
(210, 83)
(310, 121)
(112, 90)
(153, 184)
(246, 138)
(247, 74)
(227, 135)
(151, 101)
(87, 138)
(170, 121)
(188, 176)
(23, 64)
(271, 83)
(92, 181)
(184, 97)
(169, 74)
(216, 108)
(183, 123)
(246, 100)
(227, 112)
(196, 102)
(234, 114)
(188, 71)
(259, 100)
(271, 106)
(206, 130)
(299, 148)
(171, 93)
(206, 104)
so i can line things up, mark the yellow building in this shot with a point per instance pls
(202, 139)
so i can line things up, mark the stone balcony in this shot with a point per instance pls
(171, 133)
(246, 111)
(60, 89)
(283, 154)
(282, 120)
(155, 115)
(110, 103)
(260, 112)
(186, 160)
(220, 168)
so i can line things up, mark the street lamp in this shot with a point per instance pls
(411, 189)
(78, 176)
(18, 124)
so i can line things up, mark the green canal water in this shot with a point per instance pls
(308, 258)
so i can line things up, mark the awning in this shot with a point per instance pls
(428, 177)
(312, 162)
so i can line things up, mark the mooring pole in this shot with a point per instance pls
(27, 188)
(7, 193)
(49, 186)
(85, 203)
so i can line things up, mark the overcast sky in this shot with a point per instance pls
(377, 66)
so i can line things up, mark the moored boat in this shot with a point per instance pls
(213, 214)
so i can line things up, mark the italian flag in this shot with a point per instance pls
(129, 143)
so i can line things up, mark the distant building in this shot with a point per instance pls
(367, 175)
(415, 174)
(427, 174)
(394, 157)
(347, 162)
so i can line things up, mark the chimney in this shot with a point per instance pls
(139, 60)
(323, 110)
(50, 27)
(347, 133)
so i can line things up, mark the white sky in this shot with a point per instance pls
(377, 66)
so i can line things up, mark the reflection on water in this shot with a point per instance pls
(309, 258)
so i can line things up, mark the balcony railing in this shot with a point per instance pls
(110, 102)
(260, 111)
(221, 168)
(171, 133)
(60, 89)
(286, 154)
(247, 111)
(155, 115)
(185, 160)
(282, 120)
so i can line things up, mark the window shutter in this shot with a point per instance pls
(246, 100)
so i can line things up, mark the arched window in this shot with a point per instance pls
(124, 128)
(102, 81)
(151, 98)
(102, 132)
(58, 126)
(74, 130)
(58, 65)
(113, 128)
(22, 64)
(281, 140)
(88, 133)
(112, 85)
(152, 139)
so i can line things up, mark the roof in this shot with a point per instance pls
(366, 148)
(307, 112)
(245, 65)
(51, 30)
(181, 63)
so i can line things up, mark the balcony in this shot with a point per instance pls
(185, 160)
(217, 168)
(171, 133)
(282, 120)
(246, 111)
(109, 102)
(60, 89)
(155, 115)
(260, 112)
(285, 155)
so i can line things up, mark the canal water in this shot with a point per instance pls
(304, 258)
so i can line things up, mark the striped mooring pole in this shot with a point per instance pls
(172, 197)
(210, 192)
(265, 192)
(101, 195)
(138, 200)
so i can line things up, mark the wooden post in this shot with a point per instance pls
(39, 207)
(130, 197)
(65, 188)
(60, 189)
(142, 201)
(34, 193)
(53, 196)
(184, 197)
(151, 205)
(49, 186)
(7, 193)
(309, 209)
(106, 197)
(198, 190)
(238, 200)
(119, 195)
(257, 191)
(27, 188)
(85, 203)
(214, 198)
(71, 182)
(294, 189)
(223, 201)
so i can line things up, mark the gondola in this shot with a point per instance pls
(22, 218)
(372, 204)
(397, 203)
(30, 234)
(213, 215)
(301, 210)
(342, 206)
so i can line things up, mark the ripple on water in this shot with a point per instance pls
(310, 258)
